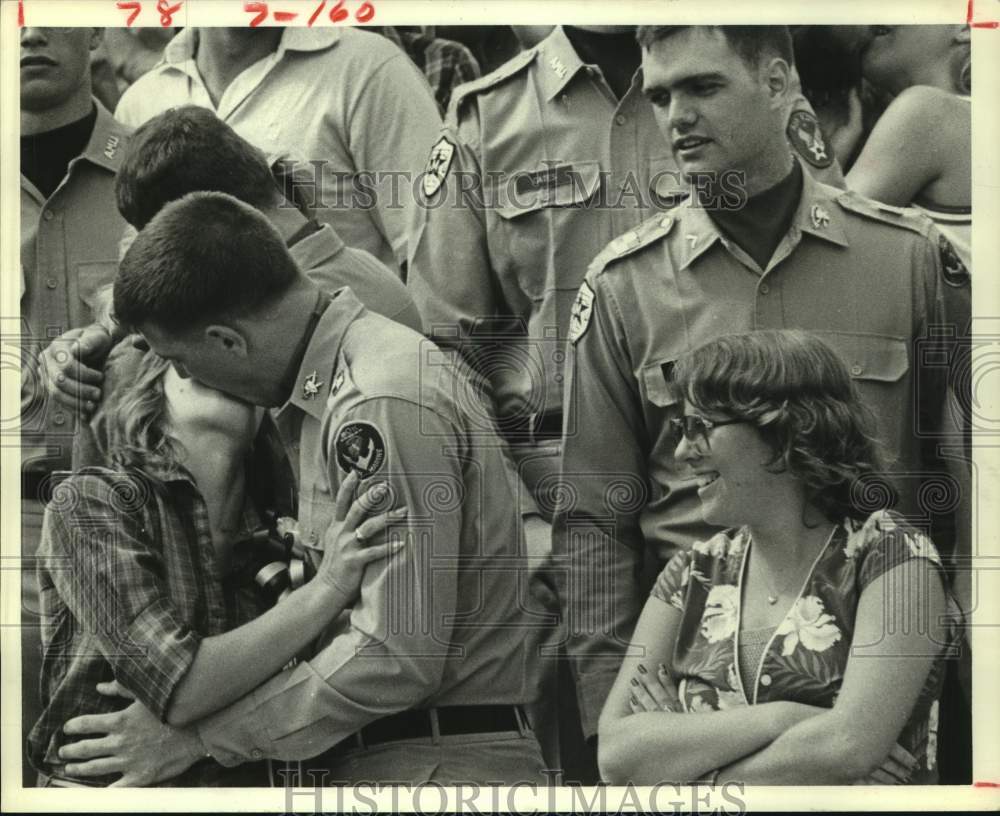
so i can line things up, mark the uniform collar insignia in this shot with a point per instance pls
(557, 66)
(820, 217)
(311, 386)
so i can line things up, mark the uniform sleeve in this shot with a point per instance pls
(596, 531)
(374, 284)
(808, 141)
(450, 274)
(108, 569)
(391, 656)
(391, 128)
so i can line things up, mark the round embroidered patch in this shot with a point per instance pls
(360, 447)
(807, 138)
(955, 272)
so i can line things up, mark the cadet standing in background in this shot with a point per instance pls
(540, 164)
(792, 253)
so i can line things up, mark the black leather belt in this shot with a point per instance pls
(532, 428)
(419, 723)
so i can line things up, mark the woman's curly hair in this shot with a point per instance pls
(138, 434)
(798, 393)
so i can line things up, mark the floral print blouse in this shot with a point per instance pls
(807, 654)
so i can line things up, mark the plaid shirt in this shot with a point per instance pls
(445, 63)
(129, 584)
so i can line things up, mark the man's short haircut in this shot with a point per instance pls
(188, 150)
(202, 258)
(752, 43)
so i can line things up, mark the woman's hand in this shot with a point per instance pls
(896, 769)
(649, 692)
(356, 538)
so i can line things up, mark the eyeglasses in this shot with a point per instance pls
(692, 426)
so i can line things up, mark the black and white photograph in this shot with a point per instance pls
(412, 406)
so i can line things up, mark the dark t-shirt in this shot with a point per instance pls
(760, 224)
(45, 157)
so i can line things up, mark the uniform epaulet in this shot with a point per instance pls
(513, 66)
(647, 232)
(886, 213)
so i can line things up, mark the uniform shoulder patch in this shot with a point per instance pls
(438, 165)
(360, 446)
(806, 137)
(582, 311)
(954, 272)
(510, 68)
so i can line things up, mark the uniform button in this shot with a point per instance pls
(59, 419)
(313, 537)
(621, 119)
(256, 753)
(49, 215)
(765, 680)
(52, 283)
(764, 289)
(856, 370)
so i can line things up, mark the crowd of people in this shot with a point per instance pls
(500, 405)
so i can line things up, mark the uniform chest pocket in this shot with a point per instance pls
(869, 357)
(93, 281)
(547, 226)
(653, 385)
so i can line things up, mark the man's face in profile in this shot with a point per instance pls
(55, 62)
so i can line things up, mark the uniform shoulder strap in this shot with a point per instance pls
(649, 231)
(498, 76)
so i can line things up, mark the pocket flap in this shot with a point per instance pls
(869, 356)
(559, 185)
(654, 383)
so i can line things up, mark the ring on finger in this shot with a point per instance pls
(360, 538)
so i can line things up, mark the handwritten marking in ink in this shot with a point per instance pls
(167, 12)
(134, 7)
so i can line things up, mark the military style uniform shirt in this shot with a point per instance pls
(68, 252)
(537, 168)
(446, 620)
(870, 280)
(342, 101)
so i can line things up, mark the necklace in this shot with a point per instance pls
(774, 595)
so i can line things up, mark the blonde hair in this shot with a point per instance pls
(138, 431)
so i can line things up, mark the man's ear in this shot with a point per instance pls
(778, 75)
(227, 339)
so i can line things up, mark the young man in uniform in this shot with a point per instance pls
(426, 678)
(342, 102)
(540, 164)
(871, 281)
(71, 148)
(189, 149)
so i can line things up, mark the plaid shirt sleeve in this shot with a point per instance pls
(102, 532)
(445, 63)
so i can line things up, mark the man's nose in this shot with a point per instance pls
(686, 451)
(182, 371)
(33, 36)
(681, 116)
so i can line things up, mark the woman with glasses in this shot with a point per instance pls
(804, 643)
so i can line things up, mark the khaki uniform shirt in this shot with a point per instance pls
(537, 168)
(69, 251)
(870, 280)
(446, 620)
